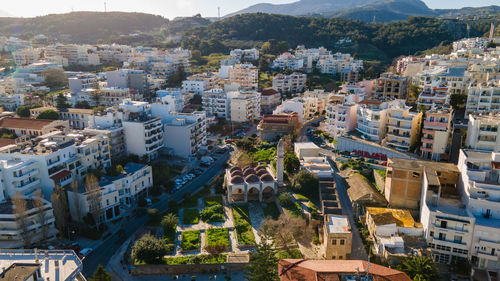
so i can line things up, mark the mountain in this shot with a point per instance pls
(81, 27)
(383, 10)
(469, 12)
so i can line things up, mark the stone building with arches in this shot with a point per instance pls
(250, 184)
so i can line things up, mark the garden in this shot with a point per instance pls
(244, 232)
(217, 237)
(190, 216)
(190, 240)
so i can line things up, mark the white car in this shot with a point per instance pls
(86, 251)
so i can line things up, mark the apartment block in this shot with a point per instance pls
(305, 107)
(341, 116)
(174, 96)
(403, 127)
(337, 63)
(245, 107)
(390, 86)
(11, 102)
(372, 119)
(135, 79)
(245, 54)
(404, 178)
(483, 133)
(272, 127)
(483, 97)
(200, 83)
(82, 81)
(436, 96)
(293, 83)
(338, 237)
(453, 77)
(26, 56)
(436, 133)
(143, 135)
(246, 75)
(270, 99)
(78, 118)
(217, 102)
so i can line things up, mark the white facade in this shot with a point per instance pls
(197, 86)
(372, 119)
(245, 107)
(483, 132)
(436, 134)
(217, 102)
(287, 61)
(483, 97)
(341, 118)
(292, 83)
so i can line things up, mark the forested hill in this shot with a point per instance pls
(83, 27)
(372, 41)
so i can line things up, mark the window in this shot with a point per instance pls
(457, 239)
(431, 234)
(415, 174)
(442, 236)
(334, 242)
(444, 224)
(333, 257)
(342, 241)
(340, 258)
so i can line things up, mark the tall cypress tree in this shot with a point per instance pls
(264, 264)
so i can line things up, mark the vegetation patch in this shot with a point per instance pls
(241, 216)
(291, 207)
(190, 240)
(294, 254)
(271, 210)
(191, 216)
(213, 200)
(213, 214)
(197, 259)
(217, 237)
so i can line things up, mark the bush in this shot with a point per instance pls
(242, 225)
(190, 216)
(190, 240)
(305, 182)
(213, 214)
(286, 199)
(197, 259)
(149, 250)
(217, 236)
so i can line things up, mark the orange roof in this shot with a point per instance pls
(5, 142)
(330, 269)
(269, 92)
(24, 123)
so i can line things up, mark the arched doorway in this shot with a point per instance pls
(238, 195)
(253, 194)
(268, 193)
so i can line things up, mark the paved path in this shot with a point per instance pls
(257, 217)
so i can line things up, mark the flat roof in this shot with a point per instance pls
(410, 164)
(401, 217)
(302, 145)
(19, 271)
(338, 224)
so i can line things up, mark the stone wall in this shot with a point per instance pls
(162, 269)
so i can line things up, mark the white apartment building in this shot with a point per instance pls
(480, 187)
(293, 83)
(26, 56)
(470, 43)
(115, 96)
(340, 118)
(128, 78)
(246, 75)
(245, 106)
(483, 97)
(217, 102)
(403, 127)
(339, 62)
(287, 61)
(18, 177)
(41, 265)
(78, 118)
(245, 55)
(175, 97)
(436, 134)
(82, 81)
(483, 132)
(11, 102)
(306, 108)
(434, 96)
(453, 77)
(372, 119)
(185, 134)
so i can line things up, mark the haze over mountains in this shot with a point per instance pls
(365, 10)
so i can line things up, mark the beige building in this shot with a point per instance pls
(250, 184)
(338, 237)
(115, 96)
(390, 86)
(403, 182)
(483, 132)
(436, 134)
(33, 127)
(246, 75)
(245, 106)
(273, 126)
(78, 118)
(293, 83)
(403, 127)
(269, 100)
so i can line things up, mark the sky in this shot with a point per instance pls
(173, 8)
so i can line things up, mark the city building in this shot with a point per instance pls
(273, 126)
(82, 81)
(245, 55)
(246, 75)
(436, 134)
(116, 137)
(338, 63)
(341, 114)
(217, 102)
(293, 83)
(483, 97)
(338, 237)
(287, 61)
(175, 97)
(11, 101)
(250, 184)
(115, 96)
(37, 264)
(270, 99)
(245, 106)
(405, 179)
(483, 132)
(200, 83)
(390, 86)
(312, 160)
(135, 79)
(33, 127)
(433, 97)
(372, 119)
(26, 56)
(306, 107)
(301, 269)
(403, 127)
(78, 118)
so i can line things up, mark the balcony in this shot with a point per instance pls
(427, 140)
(427, 131)
(426, 149)
(435, 124)
(28, 186)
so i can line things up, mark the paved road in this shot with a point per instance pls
(102, 254)
(302, 135)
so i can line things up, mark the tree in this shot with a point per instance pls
(274, 47)
(59, 200)
(20, 207)
(305, 182)
(177, 77)
(76, 201)
(24, 110)
(101, 274)
(94, 196)
(62, 102)
(83, 104)
(264, 263)
(419, 268)
(291, 163)
(7, 134)
(458, 100)
(48, 115)
(286, 231)
(169, 221)
(39, 205)
(413, 92)
(55, 77)
(149, 249)
(196, 99)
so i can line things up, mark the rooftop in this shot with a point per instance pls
(306, 145)
(401, 217)
(25, 123)
(338, 224)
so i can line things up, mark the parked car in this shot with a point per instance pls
(85, 252)
(148, 203)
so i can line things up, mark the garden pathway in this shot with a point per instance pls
(257, 217)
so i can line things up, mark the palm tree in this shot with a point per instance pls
(169, 221)
(419, 268)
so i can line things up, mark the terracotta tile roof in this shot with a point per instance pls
(331, 269)
(5, 142)
(269, 92)
(24, 123)
(59, 176)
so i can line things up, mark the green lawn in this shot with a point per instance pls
(271, 210)
(213, 200)
(197, 259)
(191, 216)
(190, 240)
(217, 236)
(243, 227)
(294, 211)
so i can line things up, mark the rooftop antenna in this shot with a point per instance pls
(105, 10)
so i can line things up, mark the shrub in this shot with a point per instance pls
(214, 213)
(190, 240)
(285, 199)
(149, 249)
(190, 216)
(217, 236)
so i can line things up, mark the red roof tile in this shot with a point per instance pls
(59, 176)
(269, 92)
(24, 123)
(5, 142)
